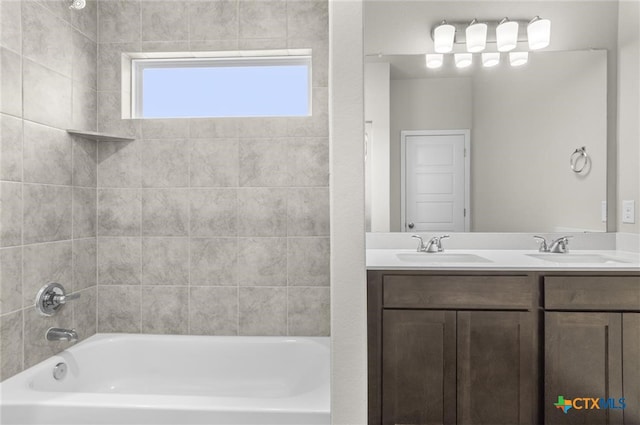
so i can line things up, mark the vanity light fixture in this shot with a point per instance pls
(490, 59)
(507, 35)
(463, 60)
(476, 34)
(434, 60)
(443, 36)
(518, 58)
(538, 33)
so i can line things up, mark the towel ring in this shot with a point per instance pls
(575, 158)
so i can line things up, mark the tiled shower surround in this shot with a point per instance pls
(204, 226)
(48, 179)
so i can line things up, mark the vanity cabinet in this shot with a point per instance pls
(500, 347)
(447, 349)
(592, 347)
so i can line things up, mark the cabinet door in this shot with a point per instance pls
(496, 367)
(583, 358)
(631, 367)
(418, 367)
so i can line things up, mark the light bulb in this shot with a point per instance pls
(443, 36)
(507, 35)
(539, 33)
(434, 60)
(518, 58)
(476, 34)
(463, 60)
(490, 59)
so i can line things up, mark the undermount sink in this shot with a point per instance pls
(440, 257)
(576, 258)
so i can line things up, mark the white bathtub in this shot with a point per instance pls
(158, 379)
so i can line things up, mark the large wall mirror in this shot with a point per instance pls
(485, 149)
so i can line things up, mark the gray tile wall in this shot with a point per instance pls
(207, 226)
(48, 192)
(213, 226)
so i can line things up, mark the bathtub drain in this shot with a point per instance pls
(60, 371)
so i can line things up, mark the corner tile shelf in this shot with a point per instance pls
(100, 137)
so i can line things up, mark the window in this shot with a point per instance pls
(269, 86)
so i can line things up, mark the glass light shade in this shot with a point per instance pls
(518, 58)
(476, 37)
(434, 60)
(539, 33)
(507, 36)
(443, 38)
(490, 59)
(463, 60)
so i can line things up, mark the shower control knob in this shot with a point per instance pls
(51, 297)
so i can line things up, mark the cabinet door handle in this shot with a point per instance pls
(410, 225)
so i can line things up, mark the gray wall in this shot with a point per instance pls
(377, 115)
(48, 179)
(213, 226)
(629, 109)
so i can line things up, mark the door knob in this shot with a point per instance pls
(410, 225)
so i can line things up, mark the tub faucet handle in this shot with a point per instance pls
(63, 299)
(51, 298)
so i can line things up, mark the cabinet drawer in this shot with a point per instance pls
(609, 293)
(465, 292)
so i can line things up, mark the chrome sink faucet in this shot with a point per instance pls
(433, 245)
(556, 246)
(59, 334)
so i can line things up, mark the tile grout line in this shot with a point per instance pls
(239, 138)
(139, 167)
(72, 217)
(189, 165)
(96, 158)
(24, 308)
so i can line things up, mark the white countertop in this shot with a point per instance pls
(493, 259)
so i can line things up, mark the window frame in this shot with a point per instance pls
(138, 65)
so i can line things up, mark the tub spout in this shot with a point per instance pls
(59, 334)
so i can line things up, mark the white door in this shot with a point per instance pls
(435, 179)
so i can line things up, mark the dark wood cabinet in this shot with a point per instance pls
(501, 347)
(592, 348)
(592, 355)
(583, 358)
(418, 367)
(631, 367)
(496, 361)
(447, 367)
(437, 355)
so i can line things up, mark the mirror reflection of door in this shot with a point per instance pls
(435, 180)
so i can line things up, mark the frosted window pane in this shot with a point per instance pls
(225, 91)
